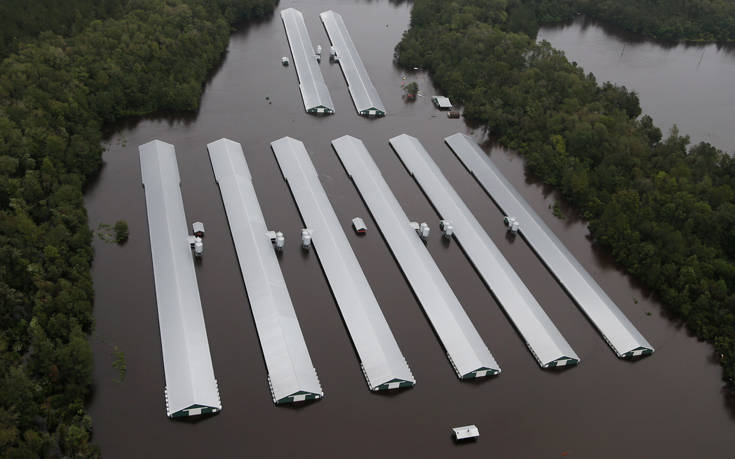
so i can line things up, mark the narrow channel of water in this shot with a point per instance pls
(692, 86)
(668, 405)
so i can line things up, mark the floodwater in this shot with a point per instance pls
(669, 405)
(690, 85)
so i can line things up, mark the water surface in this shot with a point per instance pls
(692, 86)
(668, 405)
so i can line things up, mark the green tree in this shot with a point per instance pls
(121, 231)
(663, 209)
(94, 63)
(411, 89)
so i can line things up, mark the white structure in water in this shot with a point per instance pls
(512, 223)
(465, 432)
(191, 388)
(441, 102)
(305, 239)
(542, 337)
(614, 326)
(359, 225)
(465, 349)
(291, 374)
(366, 98)
(446, 228)
(381, 359)
(311, 82)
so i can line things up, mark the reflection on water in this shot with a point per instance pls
(690, 85)
(668, 405)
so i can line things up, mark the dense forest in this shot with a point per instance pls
(664, 209)
(21, 20)
(670, 20)
(701, 20)
(62, 80)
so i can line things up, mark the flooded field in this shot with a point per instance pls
(669, 405)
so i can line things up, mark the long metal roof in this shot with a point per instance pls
(366, 98)
(465, 348)
(541, 335)
(382, 362)
(291, 373)
(311, 82)
(617, 330)
(190, 384)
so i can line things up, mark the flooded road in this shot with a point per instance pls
(667, 405)
(692, 86)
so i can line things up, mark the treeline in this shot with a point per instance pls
(671, 20)
(21, 20)
(56, 94)
(665, 211)
(698, 20)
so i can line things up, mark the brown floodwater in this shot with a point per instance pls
(690, 85)
(672, 404)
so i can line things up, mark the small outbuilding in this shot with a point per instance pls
(441, 102)
(198, 228)
(359, 225)
(465, 432)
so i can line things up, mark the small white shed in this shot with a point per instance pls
(465, 432)
(442, 103)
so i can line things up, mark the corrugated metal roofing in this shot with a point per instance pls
(465, 348)
(291, 373)
(190, 385)
(541, 335)
(311, 82)
(382, 362)
(442, 102)
(617, 330)
(366, 98)
(464, 432)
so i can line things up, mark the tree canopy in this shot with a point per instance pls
(57, 92)
(664, 209)
(670, 20)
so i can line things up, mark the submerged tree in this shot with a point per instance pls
(121, 231)
(411, 90)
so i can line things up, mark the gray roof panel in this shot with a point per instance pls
(291, 373)
(190, 384)
(617, 330)
(382, 362)
(541, 335)
(311, 82)
(363, 92)
(467, 352)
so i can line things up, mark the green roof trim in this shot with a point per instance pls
(194, 410)
(377, 111)
(638, 352)
(300, 396)
(563, 362)
(323, 109)
(473, 374)
(395, 383)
